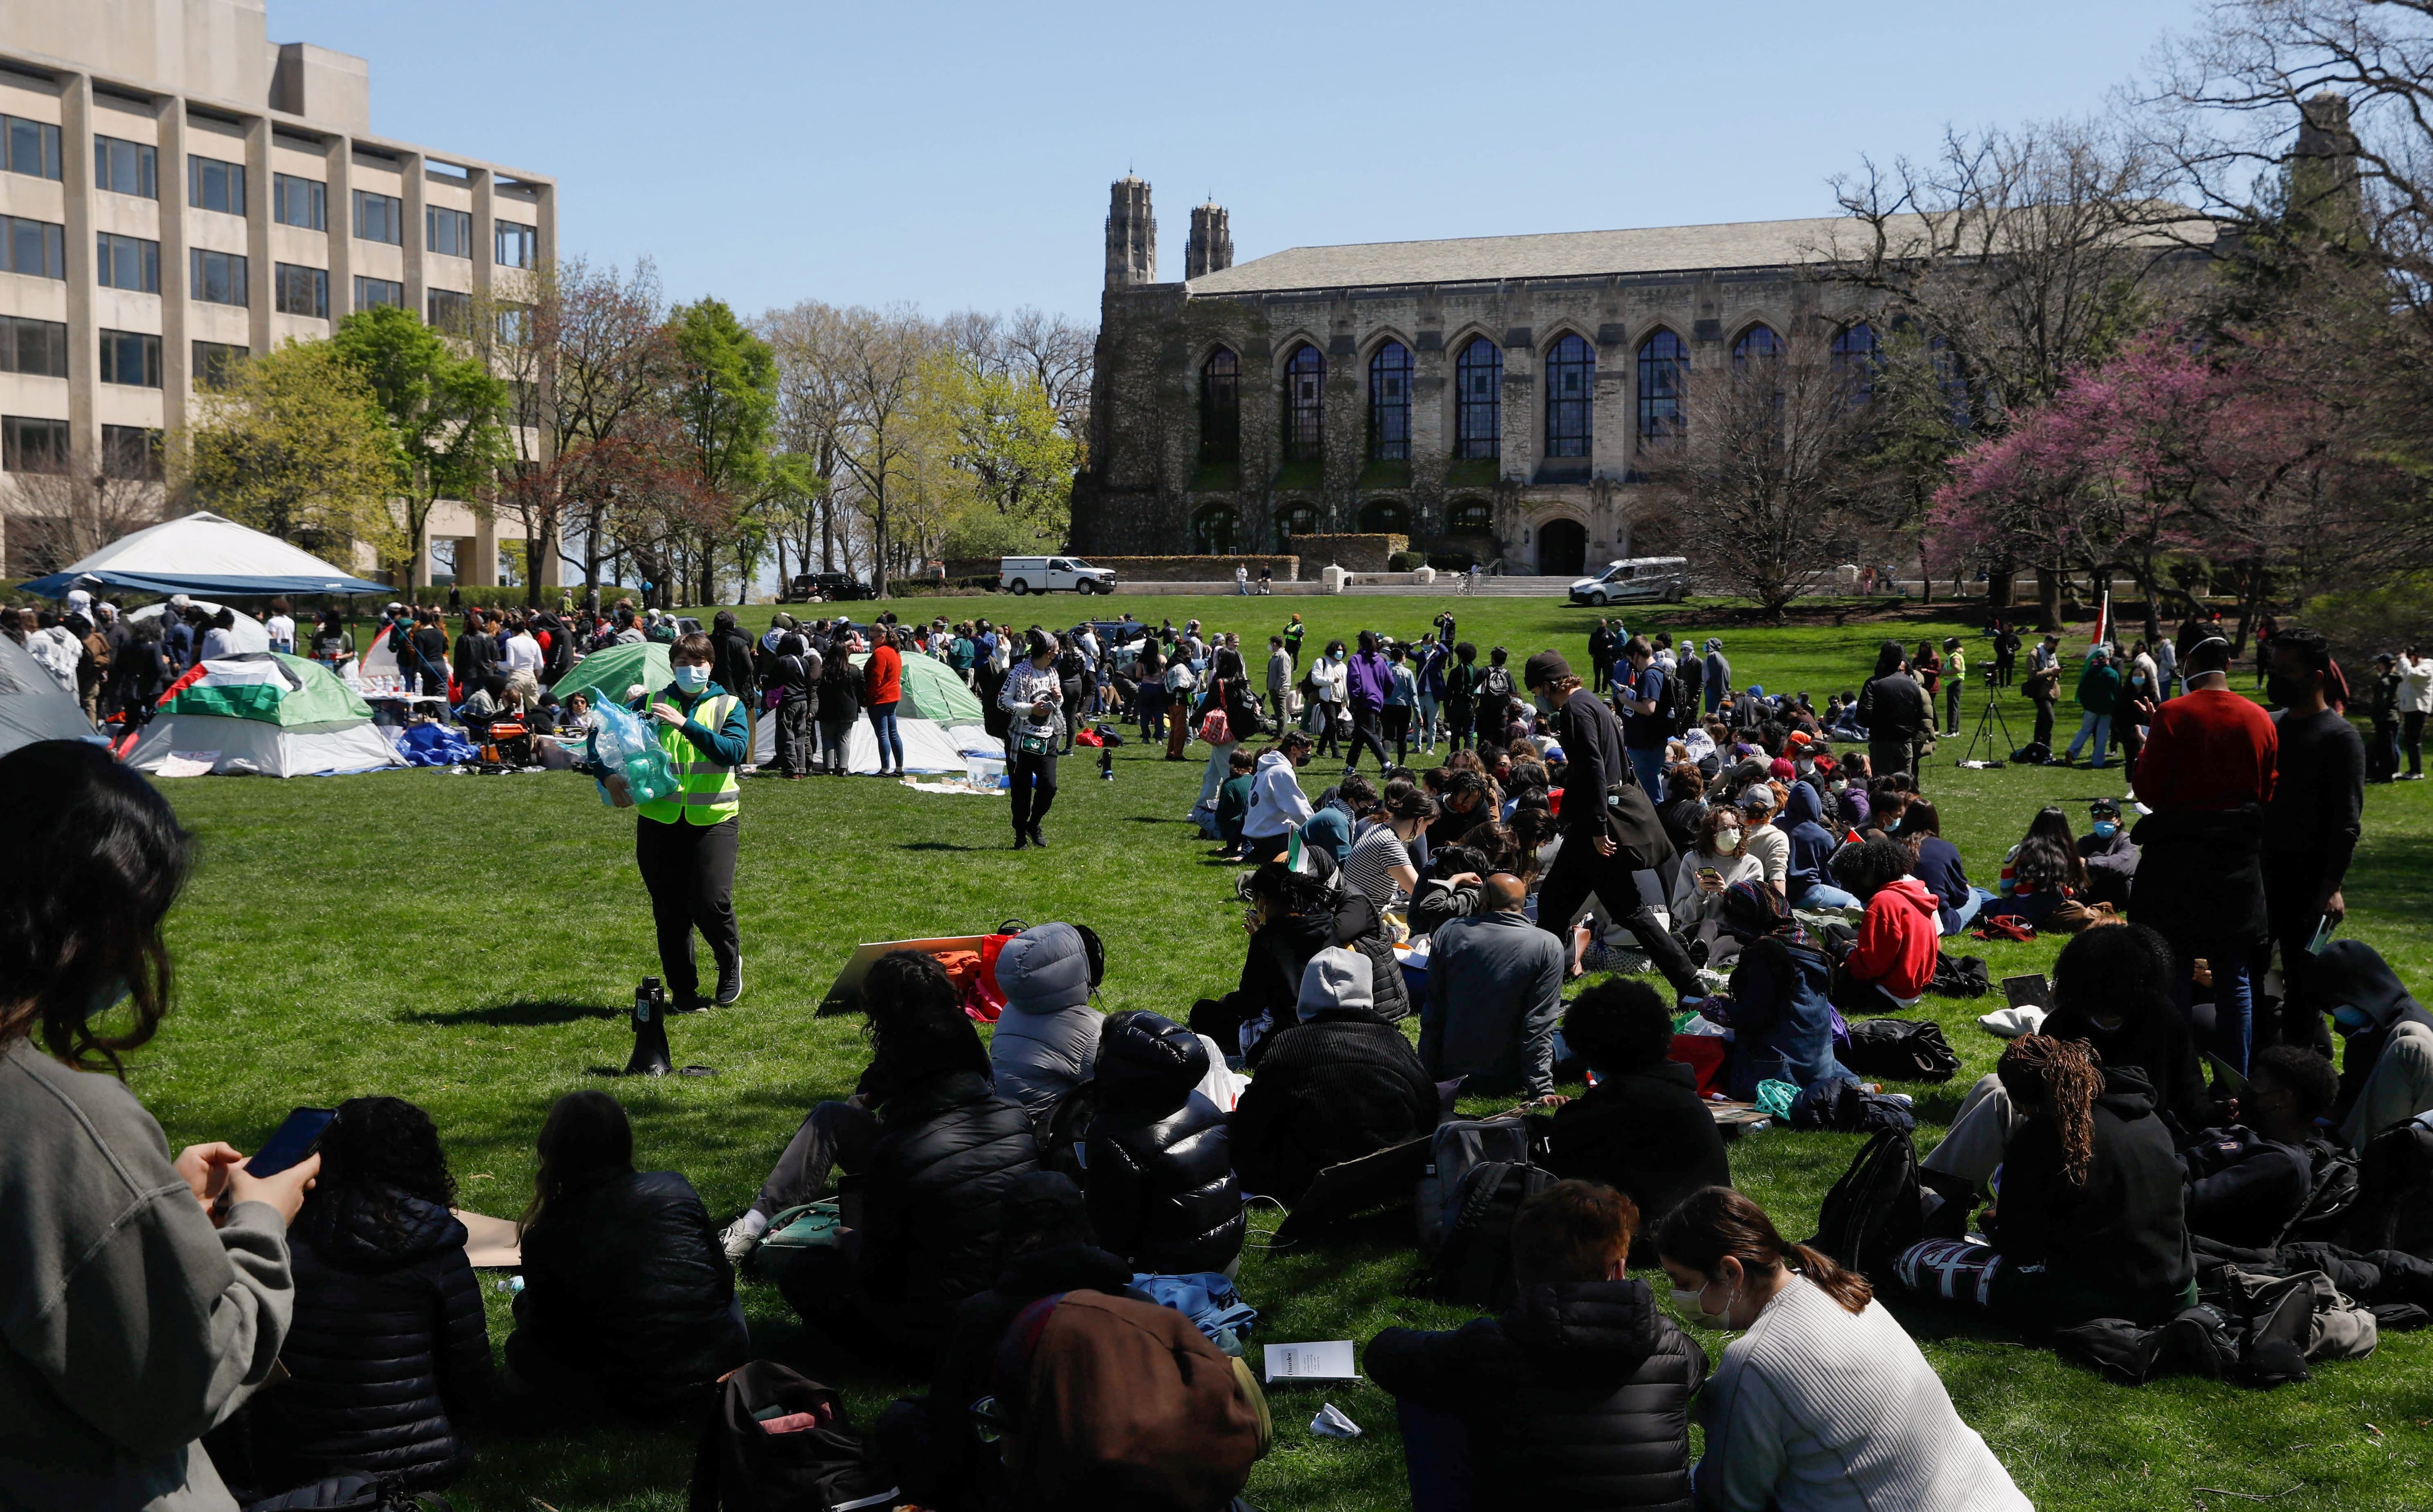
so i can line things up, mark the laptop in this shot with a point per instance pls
(2030, 990)
(1385, 1179)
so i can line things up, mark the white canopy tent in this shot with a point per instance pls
(203, 552)
(246, 633)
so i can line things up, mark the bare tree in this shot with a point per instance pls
(812, 404)
(60, 518)
(1770, 468)
(1061, 356)
(879, 356)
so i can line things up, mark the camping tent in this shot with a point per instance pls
(279, 716)
(203, 552)
(939, 720)
(613, 672)
(33, 705)
(246, 632)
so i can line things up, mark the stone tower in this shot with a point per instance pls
(1211, 247)
(1132, 235)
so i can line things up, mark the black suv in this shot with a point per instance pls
(833, 588)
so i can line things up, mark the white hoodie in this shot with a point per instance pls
(1277, 803)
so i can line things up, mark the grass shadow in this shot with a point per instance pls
(939, 845)
(521, 1013)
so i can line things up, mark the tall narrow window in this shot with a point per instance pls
(1478, 401)
(1220, 408)
(126, 167)
(1663, 371)
(1571, 397)
(1305, 404)
(1389, 403)
(212, 184)
(1757, 343)
(1854, 358)
(33, 146)
(303, 202)
(127, 263)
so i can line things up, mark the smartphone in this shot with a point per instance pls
(291, 1143)
(2322, 936)
(1707, 874)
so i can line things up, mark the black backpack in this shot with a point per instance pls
(742, 1467)
(1874, 1211)
(351, 1493)
(2394, 1205)
(1904, 1049)
(1473, 1265)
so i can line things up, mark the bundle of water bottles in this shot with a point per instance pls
(639, 770)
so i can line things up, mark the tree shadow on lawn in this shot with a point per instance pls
(521, 1013)
(941, 845)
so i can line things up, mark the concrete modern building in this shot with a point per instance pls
(1488, 394)
(179, 192)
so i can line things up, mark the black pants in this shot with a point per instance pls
(1456, 719)
(1034, 785)
(1071, 688)
(2411, 736)
(689, 870)
(1365, 725)
(2044, 722)
(1398, 729)
(1952, 702)
(1330, 730)
(2293, 899)
(793, 719)
(834, 1136)
(1886, 756)
(1579, 871)
(835, 735)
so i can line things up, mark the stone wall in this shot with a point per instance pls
(1195, 568)
(1354, 554)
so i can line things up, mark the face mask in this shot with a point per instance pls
(2105, 829)
(691, 676)
(1685, 1299)
(1806, 769)
(2350, 1019)
(1543, 706)
(1841, 783)
(1729, 839)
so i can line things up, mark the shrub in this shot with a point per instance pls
(1407, 561)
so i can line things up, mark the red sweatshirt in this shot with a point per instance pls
(883, 677)
(1899, 938)
(2208, 750)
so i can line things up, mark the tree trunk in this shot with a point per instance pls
(878, 545)
(1998, 586)
(1925, 575)
(2047, 599)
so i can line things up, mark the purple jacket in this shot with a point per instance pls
(1373, 677)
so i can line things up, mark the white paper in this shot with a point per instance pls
(1332, 1424)
(1329, 1359)
(188, 764)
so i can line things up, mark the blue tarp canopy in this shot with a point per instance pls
(206, 555)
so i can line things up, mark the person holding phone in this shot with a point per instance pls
(685, 843)
(150, 1294)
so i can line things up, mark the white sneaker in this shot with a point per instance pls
(738, 1240)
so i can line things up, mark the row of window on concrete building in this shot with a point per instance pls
(1568, 373)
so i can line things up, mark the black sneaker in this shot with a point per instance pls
(1037, 838)
(730, 984)
(1021, 840)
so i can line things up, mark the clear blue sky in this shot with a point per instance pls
(958, 155)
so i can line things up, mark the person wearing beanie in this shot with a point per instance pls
(1340, 1083)
(1718, 685)
(1047, 1037)
(1158, 1161)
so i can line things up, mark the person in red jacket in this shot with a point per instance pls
(1899, 935)
(882, 687)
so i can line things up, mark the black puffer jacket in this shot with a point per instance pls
(1160, 1170)
(1342, 1085)
(1281, 949)
(1644, 1133)
(932, 1196)
(1577, 1398)
(388, 1350)
(624, 1283)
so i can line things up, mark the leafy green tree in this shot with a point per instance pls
(725, 401)
(448, 412)
(295, 443)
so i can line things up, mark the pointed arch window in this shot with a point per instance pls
(1389, 403)
(1571, 397)
(1663, 372)
(1295, 519)
(1478, 401)
(1854, 357)
(1757, 343)
(1220, 408)
(1304, 404)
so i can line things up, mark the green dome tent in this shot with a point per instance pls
(262, 712)
(612, 674)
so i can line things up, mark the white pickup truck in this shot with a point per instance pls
(1046, 574)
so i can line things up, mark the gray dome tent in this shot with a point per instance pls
(33, 706)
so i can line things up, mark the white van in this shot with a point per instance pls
(1639, 579)
(1046, 574)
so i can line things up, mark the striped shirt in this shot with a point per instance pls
(1371, 863)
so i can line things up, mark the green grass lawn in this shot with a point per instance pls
(471, 942)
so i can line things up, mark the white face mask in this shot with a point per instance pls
(1727, 839)
(691, 676)
(1695, 1303)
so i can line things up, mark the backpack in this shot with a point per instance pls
(1496, 682)
(1458, 1147)
(1874, 1211)
(1904, 1049)
(1473, 1259)
(1216, 729)
(1683, 713)
(2394, 1205)
(349, 1493)
(1104, 1401)
(2331, 1195)
(1964, 977)
(781, 1442)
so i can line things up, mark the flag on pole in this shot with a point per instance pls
(2103, 622)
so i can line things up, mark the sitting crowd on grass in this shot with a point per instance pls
(2168, 1171)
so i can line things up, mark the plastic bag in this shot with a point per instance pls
(636, 763)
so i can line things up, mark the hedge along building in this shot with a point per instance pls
(1490, 394)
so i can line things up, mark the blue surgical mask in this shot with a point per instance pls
(2107, 828)
(2350, 1019)
(106, 996)
(691, 676)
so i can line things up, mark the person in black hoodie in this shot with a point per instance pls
(2112, 990)
(1159, 1162)
(1641, 1129)
(1339, 1083)
(837, 697)
(1577, 1397)
(2249, 1182)
(2090, 1221)
(927, 1163)
(1293, 916)
(944, 1451)
(2386, 1066)
(388, 1357)
(628, 1303)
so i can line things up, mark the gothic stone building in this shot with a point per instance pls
(1485, 394)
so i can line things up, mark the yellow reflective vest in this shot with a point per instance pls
(706, 790)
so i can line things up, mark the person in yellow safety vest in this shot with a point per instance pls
(684, 844)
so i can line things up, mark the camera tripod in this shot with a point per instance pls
(1989, 719)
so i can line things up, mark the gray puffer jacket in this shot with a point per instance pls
(1048, 1035)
